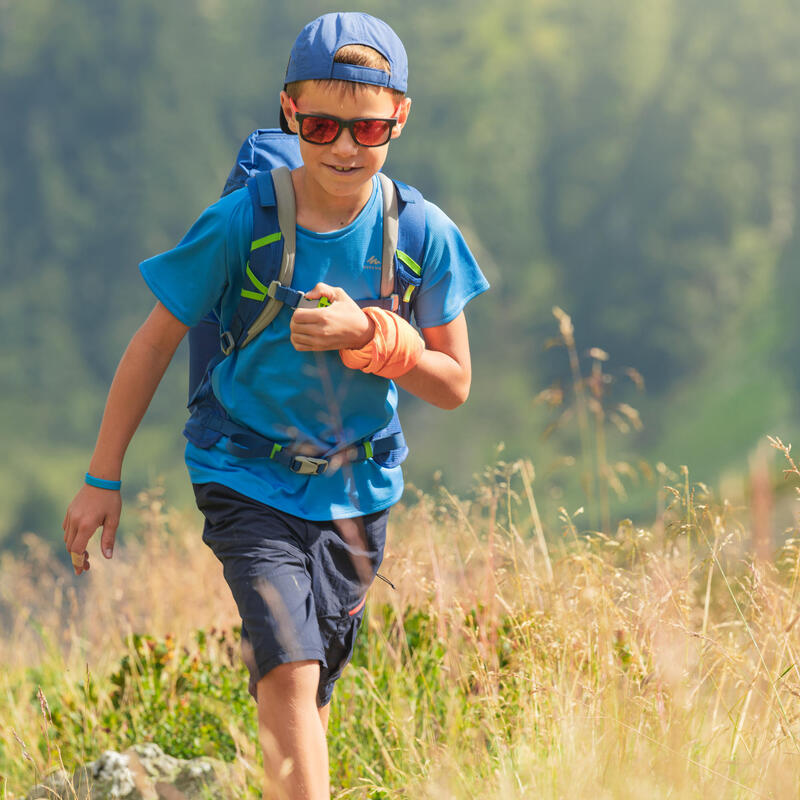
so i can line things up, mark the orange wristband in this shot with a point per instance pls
(393, 351)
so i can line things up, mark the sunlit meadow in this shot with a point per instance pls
(510, 657)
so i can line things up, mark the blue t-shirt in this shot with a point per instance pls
(304, 397)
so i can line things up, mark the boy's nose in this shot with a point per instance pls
(345, 144)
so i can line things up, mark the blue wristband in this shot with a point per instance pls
(100, 483)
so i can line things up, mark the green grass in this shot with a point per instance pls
(533, 645)
(655, 662)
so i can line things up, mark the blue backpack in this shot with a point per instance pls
(263, 165)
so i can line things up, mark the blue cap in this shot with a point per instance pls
(314, 50)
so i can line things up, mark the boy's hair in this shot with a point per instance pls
(360, 55)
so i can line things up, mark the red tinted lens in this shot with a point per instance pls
(319, 129)
(371, 132)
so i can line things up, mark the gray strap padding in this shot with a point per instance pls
(287, 221)
(390, 229)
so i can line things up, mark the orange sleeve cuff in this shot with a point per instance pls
(393, 351)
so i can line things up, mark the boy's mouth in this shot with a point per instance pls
(343, 170)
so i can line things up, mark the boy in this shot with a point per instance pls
(300, 550)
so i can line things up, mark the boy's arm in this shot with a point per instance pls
(443, 374)
(441, 377)
(139, 372)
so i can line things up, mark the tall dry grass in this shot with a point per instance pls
(507, 661)
(60, 633)
(655, 664)
(162, 580)
(517, 654)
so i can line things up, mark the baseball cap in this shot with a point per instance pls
(317, 44)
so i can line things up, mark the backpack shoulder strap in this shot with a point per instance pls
(411, 240)
(409, 253)
(390, 232)
(273, 195)
(262, 266)
(403, 246)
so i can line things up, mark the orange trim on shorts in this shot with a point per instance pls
(358, 607)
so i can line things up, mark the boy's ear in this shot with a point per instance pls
(402, 117)
(286, 106)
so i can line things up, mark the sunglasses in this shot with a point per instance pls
(323, 129)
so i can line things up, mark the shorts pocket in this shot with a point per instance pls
(339, 647)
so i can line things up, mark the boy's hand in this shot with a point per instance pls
(91, 509)
(341, 325)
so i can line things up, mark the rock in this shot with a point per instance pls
(166, 791)
(55, 785)
(195, 776)
(152, 768)
(108, 778)
(155, 762)
(143, 772)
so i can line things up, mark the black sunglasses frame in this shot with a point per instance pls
(345, 124)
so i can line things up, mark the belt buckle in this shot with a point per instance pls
(305, 465)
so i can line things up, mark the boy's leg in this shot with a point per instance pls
(300, 588)
(291, 733)
(262, 552)
(324, 714)
(249, 659)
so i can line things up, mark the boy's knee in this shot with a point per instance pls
(293, 681)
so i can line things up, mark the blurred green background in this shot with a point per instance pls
(637, 164)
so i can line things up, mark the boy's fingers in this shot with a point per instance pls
(302, 343)
(312, 322)
(81, 535)
(108, 536)
(304, 317)
(309, 339)
(92, 509)
(69, 535)
(321, 289)
(80, 562)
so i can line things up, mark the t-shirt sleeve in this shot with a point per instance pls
(191, 279)
(450, 275)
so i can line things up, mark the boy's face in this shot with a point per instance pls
(343, 167)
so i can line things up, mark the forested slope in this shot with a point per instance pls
(637, 165)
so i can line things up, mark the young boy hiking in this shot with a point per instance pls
(294, 448)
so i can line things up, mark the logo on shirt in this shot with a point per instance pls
(372, 263)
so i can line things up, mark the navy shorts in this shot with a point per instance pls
(300, 586)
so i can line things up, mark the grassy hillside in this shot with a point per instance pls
(513, 659)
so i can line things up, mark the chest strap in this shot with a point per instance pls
(293, 298)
